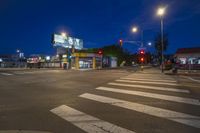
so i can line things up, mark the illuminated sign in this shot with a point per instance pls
(67, 42)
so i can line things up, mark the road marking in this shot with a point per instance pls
(146, 82)
(22, 131)
(6, 74)
(151, 87)
(194, 79)
(152, 95)
(146, 79)
(19, 73)
(86, 122)
(149, 77)
(183, 118)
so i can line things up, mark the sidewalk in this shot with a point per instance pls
(184, 72)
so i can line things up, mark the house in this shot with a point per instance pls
(188, 58)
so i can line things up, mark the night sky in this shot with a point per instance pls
(28, 24)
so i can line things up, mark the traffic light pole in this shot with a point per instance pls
(162, 45)
(142, 44)
(142, 66)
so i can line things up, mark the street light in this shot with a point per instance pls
(149, 43)
(135, 29)
(161, 12)
(17, 50)
(64, 34)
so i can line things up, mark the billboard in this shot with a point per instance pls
(67, 42)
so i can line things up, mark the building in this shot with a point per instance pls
(188, 58)
(12, 61)
(86, 61)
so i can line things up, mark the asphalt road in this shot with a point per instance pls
(106, 101)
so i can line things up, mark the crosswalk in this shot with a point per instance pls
(86, 122)
(14, 73)
(133, 85)
(6, 74)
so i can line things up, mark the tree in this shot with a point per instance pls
(114, 50)
(158, 44)
(117, 51)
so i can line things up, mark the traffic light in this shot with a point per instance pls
(141, 56)
(100, 52)
(142, 52)
(121, 42)
(141, 59)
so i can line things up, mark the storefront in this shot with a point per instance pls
(86, 61)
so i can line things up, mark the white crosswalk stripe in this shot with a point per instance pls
(86, 122)
(146, 82)
(151, 87)
(92, 124)
(149, 79)
(183, 118)
(6, 74)
(153, 95)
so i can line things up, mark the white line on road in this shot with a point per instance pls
(151, 87)
(152, 95)
(153, 80)
(6, 74)
(86, 122)
(183, 118)
(146, 82)
(194, 79)
(22, 131)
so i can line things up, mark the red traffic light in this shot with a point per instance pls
(142, 59)
(142, 52)
(100, 52)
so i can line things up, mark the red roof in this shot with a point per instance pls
(188, 50)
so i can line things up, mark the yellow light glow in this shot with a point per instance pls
(161, 11)
(63, 34)
(134, 29)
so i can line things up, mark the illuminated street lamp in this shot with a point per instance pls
(161, 12)
(64, 34)
(135, 29)
(17, 50)
(149, 43)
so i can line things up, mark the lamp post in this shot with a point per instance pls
(160, 13)
(18, 57)
(135, 29)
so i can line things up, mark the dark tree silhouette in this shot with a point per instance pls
(158, 44)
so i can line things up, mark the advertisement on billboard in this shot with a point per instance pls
(67, 42)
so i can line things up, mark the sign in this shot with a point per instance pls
(67, 42)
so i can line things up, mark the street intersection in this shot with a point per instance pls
(113, 100)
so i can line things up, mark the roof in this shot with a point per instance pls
(188, 50)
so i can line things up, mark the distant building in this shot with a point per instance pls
(188, 58)
(7, 60)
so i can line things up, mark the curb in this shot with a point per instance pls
(184, 74)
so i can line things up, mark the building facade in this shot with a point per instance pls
(188, 58)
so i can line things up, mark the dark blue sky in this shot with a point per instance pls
(28, 24)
